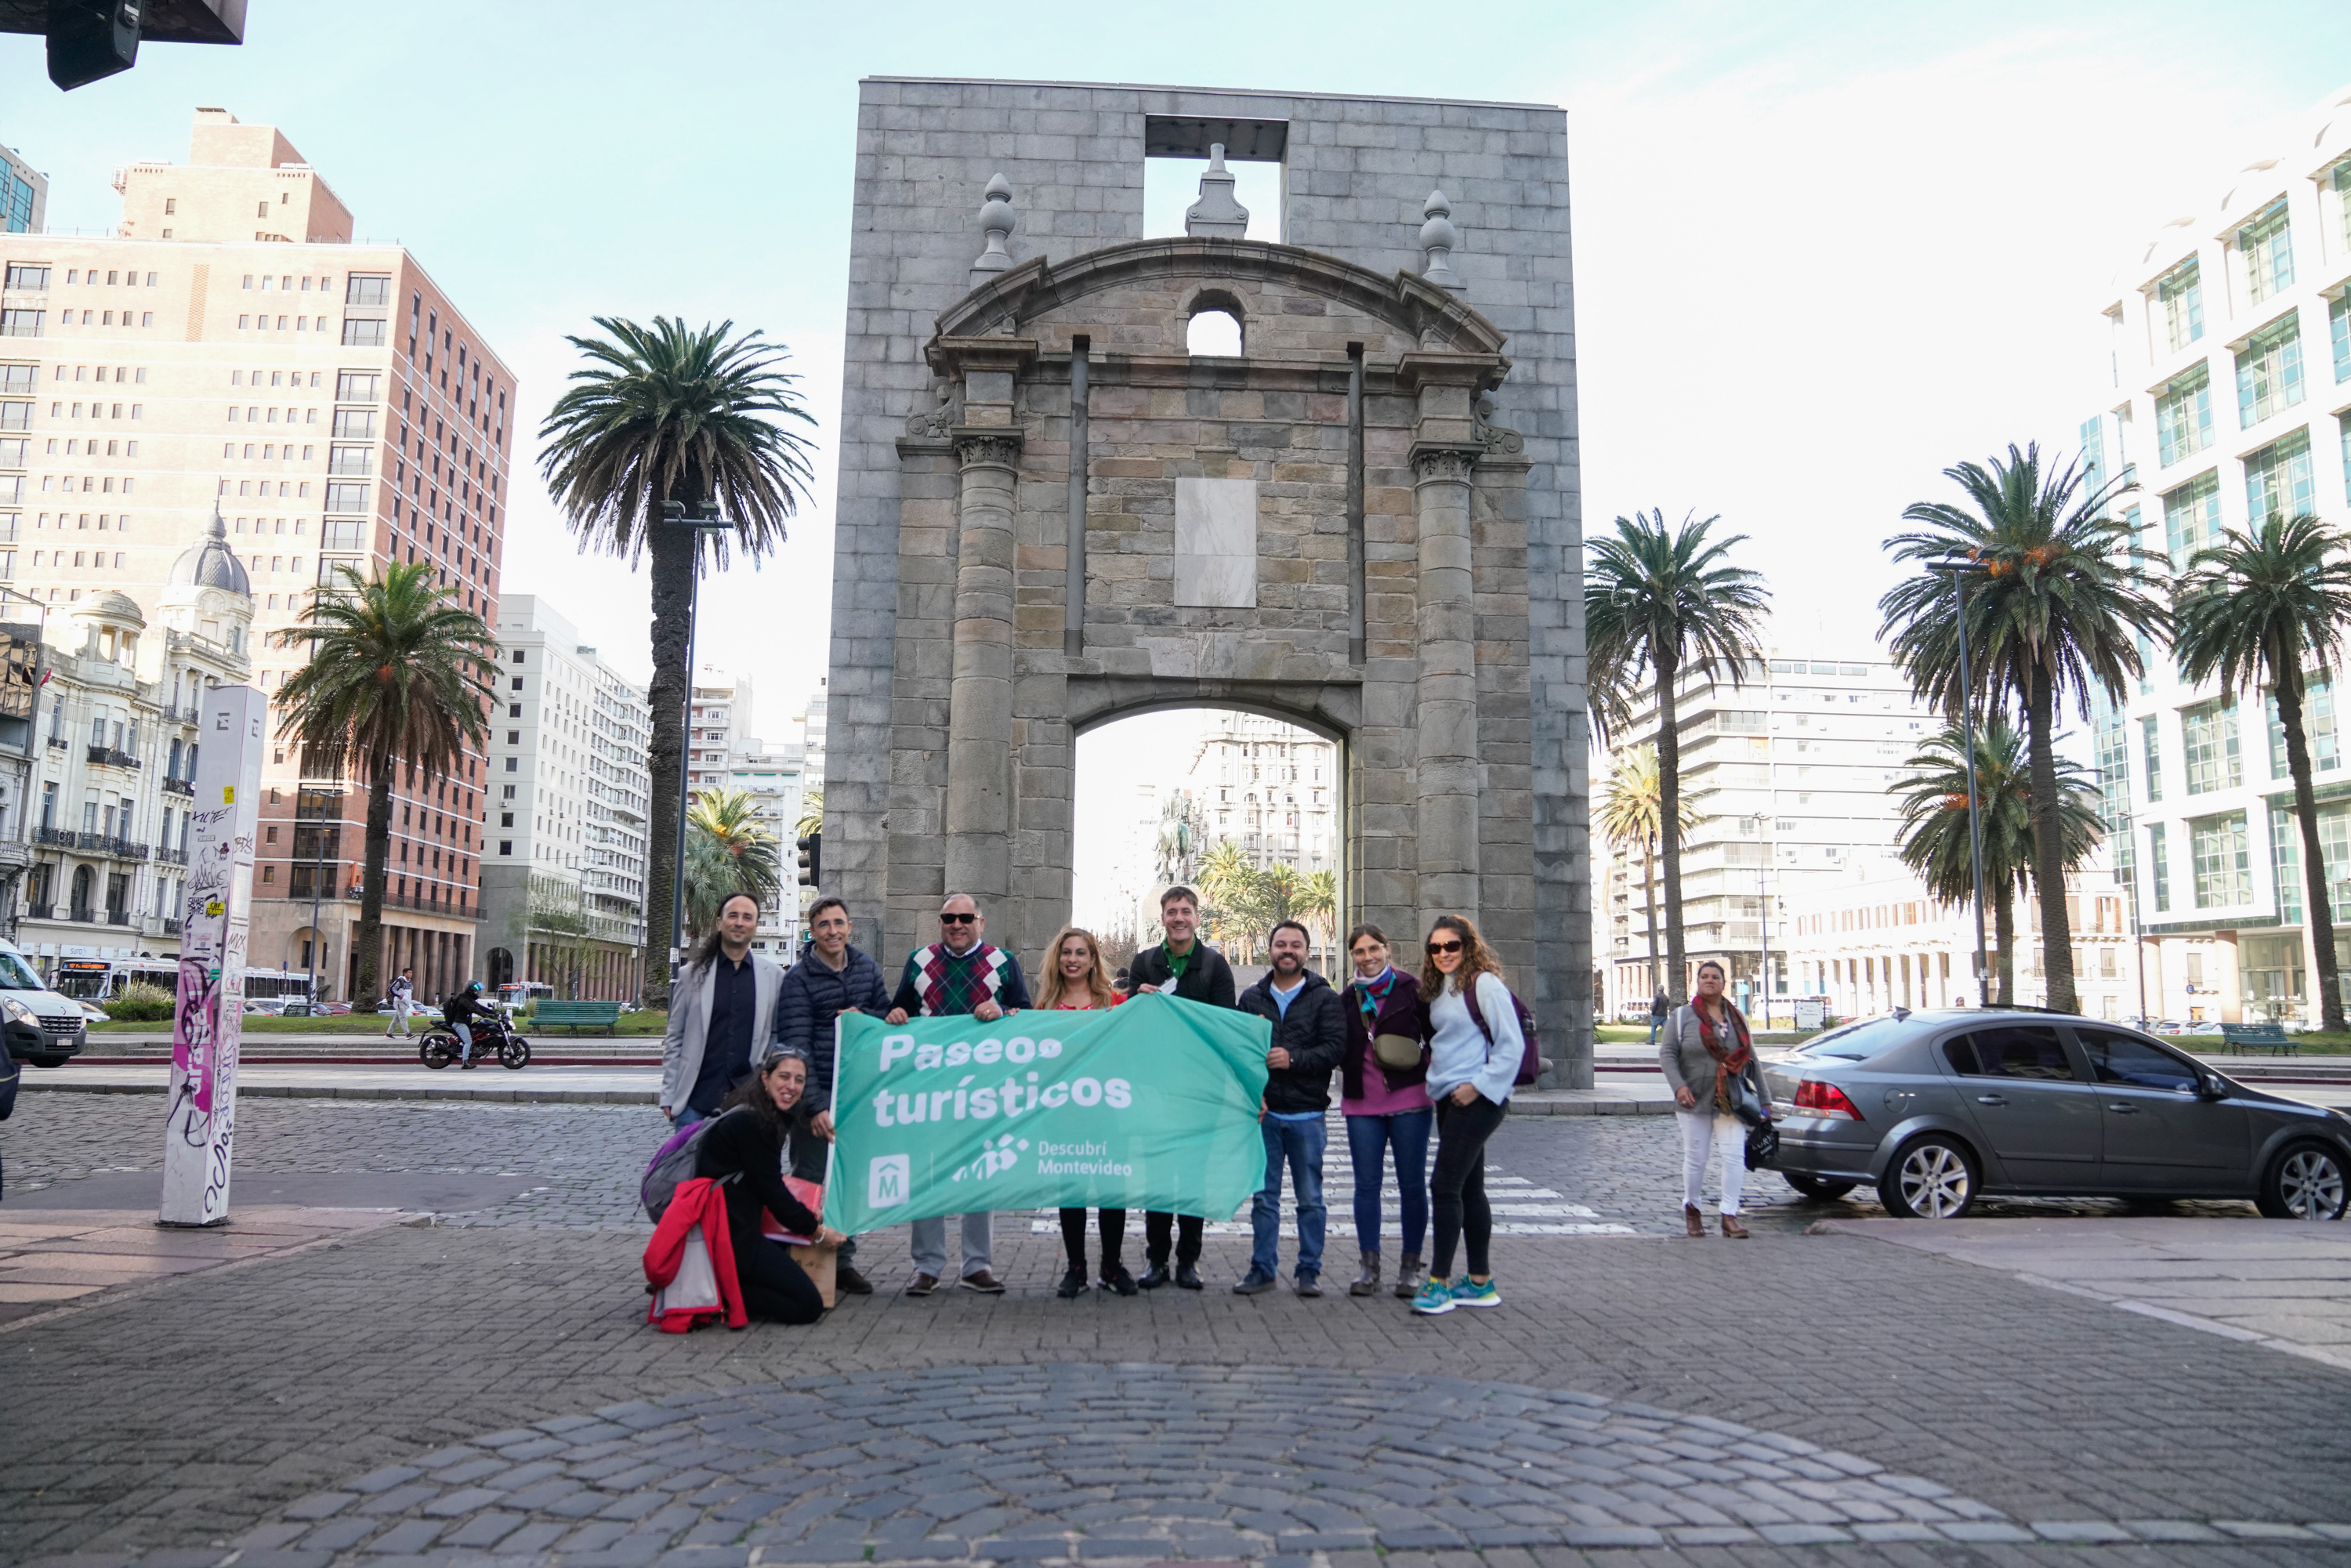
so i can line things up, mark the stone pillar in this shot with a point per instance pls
(979, 708)
(1446, 765)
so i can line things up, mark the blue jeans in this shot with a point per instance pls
(1300, 1144)
(1368, 1140)
(466, 1038)
(686, 1117)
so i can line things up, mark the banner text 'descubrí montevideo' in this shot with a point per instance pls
(1151, 1105)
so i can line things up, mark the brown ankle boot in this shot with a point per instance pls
(1692, 1220)
(1733, 1228)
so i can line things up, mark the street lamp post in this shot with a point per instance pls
(675, 515)
(1967, 740)
(1763, 913)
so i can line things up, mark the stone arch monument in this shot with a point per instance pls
(1051, 516)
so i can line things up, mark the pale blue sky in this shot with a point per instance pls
(1821, 249)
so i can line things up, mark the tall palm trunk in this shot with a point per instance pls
(2048, 842)
(2285, 674)
(376, 868)
(1649, 906)
(671, 574)
(2003, 932)
(1669, 816)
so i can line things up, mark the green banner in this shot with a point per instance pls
(1151, 1105)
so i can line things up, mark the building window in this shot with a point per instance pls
(2183, 414)
(2334, 851)
(2191, 518)
(2269, 371)
(2267, 244)
(2223, 861)
(2338, 331)
(2279, 480)
(362, 332)
(366, 289)
(356, 386)
(2208, 734)
(21, 323)
(2180, 296)
(2317, 728)
(29, 274)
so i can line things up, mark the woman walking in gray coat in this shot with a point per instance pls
(1706, 1051)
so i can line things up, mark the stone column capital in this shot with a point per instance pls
(987, 446)
(1442, 463)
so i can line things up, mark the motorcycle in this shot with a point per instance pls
(440, 1046)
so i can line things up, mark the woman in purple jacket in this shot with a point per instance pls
(1386, 1107)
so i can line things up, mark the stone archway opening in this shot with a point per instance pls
(1246, 807)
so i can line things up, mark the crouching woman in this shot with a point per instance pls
(751, 1141)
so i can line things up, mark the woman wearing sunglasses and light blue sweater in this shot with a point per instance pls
(1475, 1046)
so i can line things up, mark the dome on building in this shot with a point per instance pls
(112, 606)
(210, 563)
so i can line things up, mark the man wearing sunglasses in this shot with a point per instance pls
(958, 973)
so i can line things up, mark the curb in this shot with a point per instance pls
(422, 1092)
(1521, 1105)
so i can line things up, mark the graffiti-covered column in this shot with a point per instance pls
(207, 1021)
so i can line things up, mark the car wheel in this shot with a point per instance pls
(2305, 1182)
(1817, 1188)
(1930, 1177)
(46, 1061)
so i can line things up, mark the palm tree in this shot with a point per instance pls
(1668, 601)
(1632, 819)
(727, 852)
(811, 814)
(1318, 905)
(398, 674)
(1933, 794)
(660, 415)
(2066, 592)
(2261, 607)
(1228, 880)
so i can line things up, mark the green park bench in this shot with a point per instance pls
(575, 1015)
(2266, 1038)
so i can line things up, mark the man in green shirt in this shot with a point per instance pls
(1182, 965)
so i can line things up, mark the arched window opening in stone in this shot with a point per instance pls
(1212, 333)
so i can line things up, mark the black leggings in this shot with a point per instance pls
(774, 1287)
(1113, 1238)
(1456, 1191)
(1159, 1229)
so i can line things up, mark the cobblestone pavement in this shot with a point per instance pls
(204, 1417)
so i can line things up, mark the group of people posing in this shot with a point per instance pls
(1435, 1053)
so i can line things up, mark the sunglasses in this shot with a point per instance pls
(957, 919)
(1452, 946)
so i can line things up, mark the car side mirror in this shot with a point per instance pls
(2210, 1089)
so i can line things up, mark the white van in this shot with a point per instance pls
(43, 1027)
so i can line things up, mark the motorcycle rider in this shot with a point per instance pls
(466, 1006)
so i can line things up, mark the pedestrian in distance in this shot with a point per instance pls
(1309, 1037)
(1181, 965)
(1708, 1056)
(1383, 1091)
(960, 973)
(403, 991)
(760, 1119)
(1075, 981)
(1474, 1048)
(1660, 1009)
(832, 978)
(721, 1015)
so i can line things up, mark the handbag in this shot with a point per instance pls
(1763, 1145)
(1400, 1051)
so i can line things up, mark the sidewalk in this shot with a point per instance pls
(51, 1256)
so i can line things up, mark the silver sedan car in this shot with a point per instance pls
(1937, 1108)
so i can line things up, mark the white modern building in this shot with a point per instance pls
(776, 777)
(720, 719)
(563, 878)
(24, 194)
(1790, 775)
(2227, 399)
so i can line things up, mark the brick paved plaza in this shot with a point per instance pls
(483, 1388)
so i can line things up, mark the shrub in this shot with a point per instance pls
(140, 1003)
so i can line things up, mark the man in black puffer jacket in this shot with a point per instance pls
(1310, 1038)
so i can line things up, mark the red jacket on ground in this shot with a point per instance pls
(693, 1276)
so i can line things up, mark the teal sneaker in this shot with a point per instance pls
(1467, 1293)
(1434, 1300)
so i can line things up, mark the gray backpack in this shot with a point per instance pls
(672, 1163)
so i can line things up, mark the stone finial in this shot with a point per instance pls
(994, 228)
(1437, 238)
(1216, 212)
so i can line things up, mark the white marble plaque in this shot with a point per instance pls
(1215, 543)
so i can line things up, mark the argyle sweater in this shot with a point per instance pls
(938, 983)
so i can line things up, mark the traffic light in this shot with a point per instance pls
(811, 850)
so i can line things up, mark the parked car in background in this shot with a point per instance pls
(1938, 1108)
(43, 1029)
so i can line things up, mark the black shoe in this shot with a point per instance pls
(849, 1282)
(1073, 1285)
(1255, 1283)
(1187, 1277)
(1118, 1279)
(1156, 1276)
